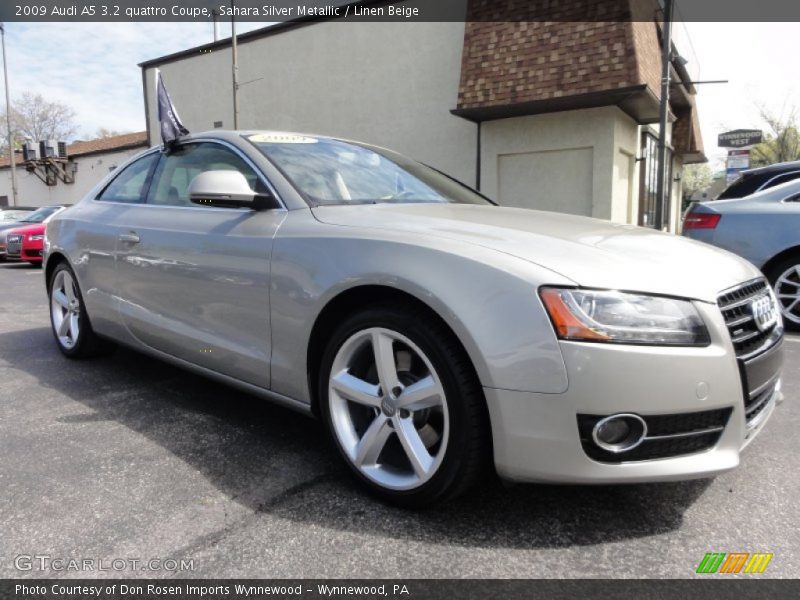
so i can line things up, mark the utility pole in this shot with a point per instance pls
(666, 55)
(235, 58)
(214, 17)
(11, 157)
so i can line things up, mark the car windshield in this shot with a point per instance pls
(332, 172)
(40, 215)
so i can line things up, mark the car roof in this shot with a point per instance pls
(235, 136)
(777, 192)
(782, 167)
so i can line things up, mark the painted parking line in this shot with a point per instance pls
(796, 340)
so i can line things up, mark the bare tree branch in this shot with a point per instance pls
(35, 118)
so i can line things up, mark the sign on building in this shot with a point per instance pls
(739, 138)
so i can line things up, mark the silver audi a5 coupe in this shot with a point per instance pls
(438, 336)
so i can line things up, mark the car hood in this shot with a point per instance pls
(590, 252)
(32, 229)
(6, 226)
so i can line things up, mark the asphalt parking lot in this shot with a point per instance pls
(125, 457)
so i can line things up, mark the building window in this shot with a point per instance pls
(648, 182)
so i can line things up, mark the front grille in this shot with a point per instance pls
(737, 310)
(756, 346)
(14, 244)
(667, 435)
(754, 404)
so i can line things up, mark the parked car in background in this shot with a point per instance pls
(11, 215)
(26, 243)
(760, 179)
(764, 228)
(9, 219)
(435, 333)
(11, 239)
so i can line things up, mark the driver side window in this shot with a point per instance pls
(176, 170)
(129, 186)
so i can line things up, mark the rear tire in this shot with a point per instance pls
(785, 280)
(404, 407)
(70, 323)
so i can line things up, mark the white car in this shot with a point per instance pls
(436, 334)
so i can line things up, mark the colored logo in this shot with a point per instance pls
(734, 562)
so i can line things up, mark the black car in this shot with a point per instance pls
(761, 178)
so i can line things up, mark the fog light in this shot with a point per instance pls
(613, 432)
(619, 433)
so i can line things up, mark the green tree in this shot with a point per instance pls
(695, 178)
(781, 140)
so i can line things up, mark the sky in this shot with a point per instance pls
(92, 68)
(760, 62)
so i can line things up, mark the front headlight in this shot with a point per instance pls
(36, 238)
(622, 318)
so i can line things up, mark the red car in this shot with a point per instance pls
(27, 242)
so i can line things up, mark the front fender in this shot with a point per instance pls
(488, 299)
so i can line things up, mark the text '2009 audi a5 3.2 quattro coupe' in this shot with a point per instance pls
(437, 335)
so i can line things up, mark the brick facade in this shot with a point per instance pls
(512, 56)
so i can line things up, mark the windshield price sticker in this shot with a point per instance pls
(281, 138)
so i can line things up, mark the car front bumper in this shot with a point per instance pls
(537, 436)
(31, 251)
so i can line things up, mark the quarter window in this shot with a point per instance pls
(176, 170)
(129, 185)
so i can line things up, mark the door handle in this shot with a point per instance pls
(130, 238)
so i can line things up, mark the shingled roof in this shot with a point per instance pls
(516, 63)
(114, 143)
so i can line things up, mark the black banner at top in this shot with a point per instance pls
(386, 10)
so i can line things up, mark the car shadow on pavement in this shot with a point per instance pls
(277, 462)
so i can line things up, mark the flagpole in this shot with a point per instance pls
(235, 58)
(156, 75)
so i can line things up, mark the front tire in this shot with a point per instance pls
(404, 407)
(70, 323)
(785, 280)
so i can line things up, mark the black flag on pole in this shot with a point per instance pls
(168, 120)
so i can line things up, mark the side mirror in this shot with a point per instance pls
(227, 189)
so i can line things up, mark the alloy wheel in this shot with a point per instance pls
(388, 408)
(66, 309)
(787, 290)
